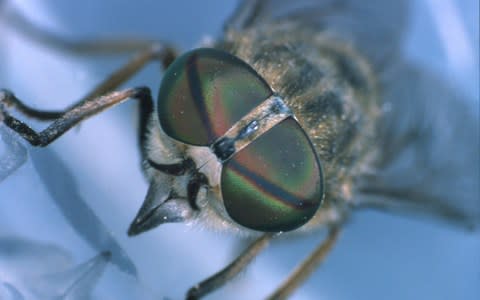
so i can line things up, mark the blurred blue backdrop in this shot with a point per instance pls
(95, 171)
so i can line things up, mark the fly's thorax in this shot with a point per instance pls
(329, 87)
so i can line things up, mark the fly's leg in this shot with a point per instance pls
(306, 268)
(17, 22)
(98, 99)
(71, 116)
(93, 103)
(121, 75)
(229, 272)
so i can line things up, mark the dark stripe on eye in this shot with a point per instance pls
(268, 188)
(195, 86)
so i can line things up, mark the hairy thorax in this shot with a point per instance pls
(333, 94)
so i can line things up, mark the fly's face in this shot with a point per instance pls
(227, 151)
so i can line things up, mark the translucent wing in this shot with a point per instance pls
(374, 27)
(83, 219)
(12, 153)
(431, 147)
(74, 283)
(45, 271)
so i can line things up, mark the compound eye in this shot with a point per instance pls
(275, 183)
(205, 92)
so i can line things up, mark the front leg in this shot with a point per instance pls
(233, 269)
(74, 115)
(100, 98)
(96, 100)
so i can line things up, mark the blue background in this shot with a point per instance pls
(378, 256)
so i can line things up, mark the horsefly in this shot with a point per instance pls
(293, 119)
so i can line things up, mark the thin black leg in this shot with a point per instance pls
(147, 50)
(111, 83)
(75, 115)
(64, 120)
(221, 278)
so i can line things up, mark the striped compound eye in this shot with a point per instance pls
(273, 184)
(204, 92)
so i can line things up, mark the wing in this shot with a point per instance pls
(430, 139)
(374, 27)
(14, 154)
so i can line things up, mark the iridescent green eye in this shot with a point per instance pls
(204, 92)
(275, 183)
